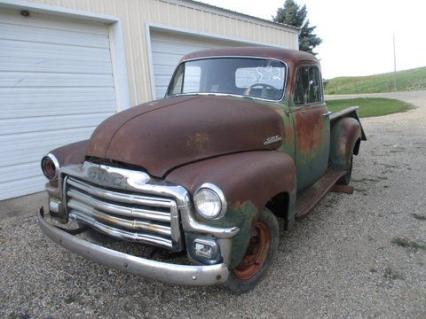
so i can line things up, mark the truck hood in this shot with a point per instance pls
(164, 134)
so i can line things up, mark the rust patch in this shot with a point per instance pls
(288, 133)
(198, 142)
(256, 253)
(237, 205)
(309, 125)
(342, 189)
(105, 218)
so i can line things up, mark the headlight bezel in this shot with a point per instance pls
(55, 162)
(220, 195)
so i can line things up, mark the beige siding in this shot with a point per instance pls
(135, 14)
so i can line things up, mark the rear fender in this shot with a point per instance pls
(249, 180)
(345, 134)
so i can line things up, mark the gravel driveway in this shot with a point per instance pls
(355, 256)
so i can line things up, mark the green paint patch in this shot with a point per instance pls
(245, 214)
(369, 107)
(407, 243)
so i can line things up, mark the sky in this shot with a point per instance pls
(357, 34)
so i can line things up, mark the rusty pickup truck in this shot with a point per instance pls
(242, 139)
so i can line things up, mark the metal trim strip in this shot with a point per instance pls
(119, 233)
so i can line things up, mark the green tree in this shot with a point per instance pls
(292, 14)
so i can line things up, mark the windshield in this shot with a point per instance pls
(258, 78)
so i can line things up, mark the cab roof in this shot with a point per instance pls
(285, 55)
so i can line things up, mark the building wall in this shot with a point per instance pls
(134, 14)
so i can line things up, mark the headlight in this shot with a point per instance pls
(50, 166)
(209, 201)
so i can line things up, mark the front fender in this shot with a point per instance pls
(345, 133)
(249, 180)
(73, 153)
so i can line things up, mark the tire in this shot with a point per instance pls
(345, 180)
(259, 256)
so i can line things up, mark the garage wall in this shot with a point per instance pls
(187, 15)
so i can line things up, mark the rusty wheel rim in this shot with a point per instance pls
(257, 252)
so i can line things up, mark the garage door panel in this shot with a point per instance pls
(41, 20)
(52, 36)
(25, 79)
(21, 187)
(46, 107)
(53, 65)
(51, 123)
(20, 172)
(176, 47)
(30, 147)
(160, 91)
(25, 102)
(45, 51)
(164, 70)
(31, 95)
(166, 59)
(56, 86)
(162, 80)
(165, 38)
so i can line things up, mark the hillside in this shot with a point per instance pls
(407, 80)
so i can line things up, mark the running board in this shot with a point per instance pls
(307, 199)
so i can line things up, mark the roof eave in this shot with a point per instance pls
(247, 16)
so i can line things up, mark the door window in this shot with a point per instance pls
(308, 86)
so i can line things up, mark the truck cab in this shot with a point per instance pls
(242, 138)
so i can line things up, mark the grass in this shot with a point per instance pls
(369, 107)
(408, 80)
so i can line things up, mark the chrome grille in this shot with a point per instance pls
(124, 215)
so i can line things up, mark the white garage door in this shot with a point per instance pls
(56, 85)
(168, 48)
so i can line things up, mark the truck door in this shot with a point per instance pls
(311, 124)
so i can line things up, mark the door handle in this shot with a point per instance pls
(327, 114)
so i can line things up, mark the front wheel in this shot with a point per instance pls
(259, 255)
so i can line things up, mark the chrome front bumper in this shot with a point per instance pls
(165, 272)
